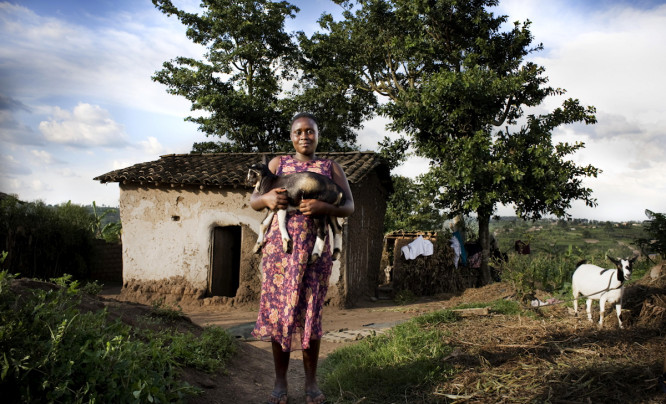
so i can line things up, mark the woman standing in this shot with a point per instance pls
(293, 291)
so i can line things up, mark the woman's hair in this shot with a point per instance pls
(303, 115)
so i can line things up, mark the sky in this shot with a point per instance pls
(77, 99)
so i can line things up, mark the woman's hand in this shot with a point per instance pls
(314, 207)
(276, 199)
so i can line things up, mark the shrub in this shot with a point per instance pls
(46, 241)
(52, 352)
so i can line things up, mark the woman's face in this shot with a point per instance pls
(304, 136)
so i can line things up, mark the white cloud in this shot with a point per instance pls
(118, 164)
(87, 125)
(38, 185)
(9, 165)
(115, 59)
(152, 146)
(43, 157)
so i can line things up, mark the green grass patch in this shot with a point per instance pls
(406, 362)
(50, 351)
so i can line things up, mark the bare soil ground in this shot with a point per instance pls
(548, 357)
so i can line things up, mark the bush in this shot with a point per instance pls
(550, 273)
(52, 352)
(46, 241)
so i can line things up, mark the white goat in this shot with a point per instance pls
(605, 285)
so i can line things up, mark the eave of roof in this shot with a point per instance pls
(221, 170)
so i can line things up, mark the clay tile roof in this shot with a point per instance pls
(230, 169)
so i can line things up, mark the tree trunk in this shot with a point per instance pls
(484, 240)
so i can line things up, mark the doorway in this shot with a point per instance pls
(225, 266)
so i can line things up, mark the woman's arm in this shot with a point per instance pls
(273, 199)
(316, 207)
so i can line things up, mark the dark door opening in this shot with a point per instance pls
(225, 269)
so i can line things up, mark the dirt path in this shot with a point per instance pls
(250, 373)
(552, 357)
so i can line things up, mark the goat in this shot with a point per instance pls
(299, 186)
(605, 285)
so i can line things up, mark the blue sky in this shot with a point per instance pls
(76, 98)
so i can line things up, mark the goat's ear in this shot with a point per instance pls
(633, 259)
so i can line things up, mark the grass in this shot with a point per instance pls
(407, 362)
(51, 351)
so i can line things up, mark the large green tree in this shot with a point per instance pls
(458, 83)
(253, 80)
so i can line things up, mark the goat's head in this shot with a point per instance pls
(624, 267)
(255, 173)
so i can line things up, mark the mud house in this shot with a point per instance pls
(188, 229)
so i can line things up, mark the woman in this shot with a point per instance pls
(293, 291)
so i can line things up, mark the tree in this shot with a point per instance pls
(239, 84)
(406, 209)
(451, 78)
(239, 88)
(655, 228)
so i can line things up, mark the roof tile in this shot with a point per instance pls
(230, 169)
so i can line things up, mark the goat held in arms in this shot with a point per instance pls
(299, 186)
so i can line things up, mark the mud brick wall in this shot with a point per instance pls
(107, 262)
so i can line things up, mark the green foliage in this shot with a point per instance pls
(407, 209)
(591, 238)
(46, 241)
(406, 362)
(208, 352)
(528, 273)
(655, 227)
(53, 352)
(240, 86)
(453, 73)
(102, 227)
(165, 311)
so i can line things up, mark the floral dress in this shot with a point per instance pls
(293, 291)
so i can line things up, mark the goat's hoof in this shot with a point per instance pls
(286, 246)
(313, 258)
(336, 255)
(257, 248)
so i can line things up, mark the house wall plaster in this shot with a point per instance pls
(167, 234)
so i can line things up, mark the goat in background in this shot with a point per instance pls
(605, 285)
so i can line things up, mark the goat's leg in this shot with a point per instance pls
(575, 301)
(589, 309)
(337, 237)
(282, 222)
(602, 309)
(265, 224)
(320, 243)
(618, 310)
